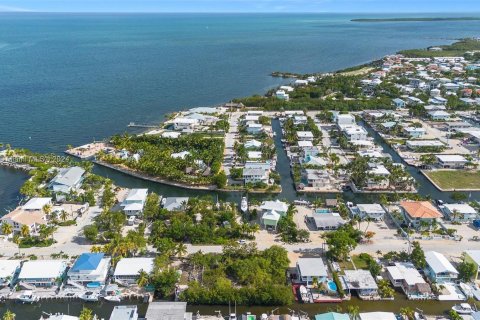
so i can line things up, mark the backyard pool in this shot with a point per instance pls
(332, 285)
(322, 211)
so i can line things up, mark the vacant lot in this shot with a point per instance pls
(455, 179)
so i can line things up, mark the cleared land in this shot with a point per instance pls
(455, 179)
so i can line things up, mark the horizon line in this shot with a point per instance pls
(468, 14)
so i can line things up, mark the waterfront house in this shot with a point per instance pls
(332, 316)
(404, 275)
(282, 95)
(301, 82)
(399, 103)
(300, 120)
(252, 144)
(377, 176)
(311, 268)
(361, 282)
(439, 115)
(42, 273)
(168, 311)
(318, 179)
(8, 270)
(345, 119)
(270, 219)
(459, 212)
(327, 220)
(134, 202)
(354, 132)
(315, 161)
(372, 211)
(127, 269)
(305, 135)
(438, 268)
(416, 145)
(251, 118)
(175, 203)
(30, 214)
(88, 268)
(413, 132)
(171, 134)
(473, 256)
(67, 180)
(451, 161)
(124, 313)
(377, 316)
(277, 205)
(419, 212)
(255, 172)
(254, 128)
(181, 124)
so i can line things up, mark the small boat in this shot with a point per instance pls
(232, 316)
(463, 308)
(90, 296)
(28, 297)
(113, 298)
(244, 205)
(248, 316)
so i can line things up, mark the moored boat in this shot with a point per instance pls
(90, 296)
(28, 297)
(244, 205)
(463, 308)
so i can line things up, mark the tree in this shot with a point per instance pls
(63, 215)
(458, 196)
(86, 314)
(354, 312)
(466, 271)
(143, 278)
(9, 315)
(7, 229)
(91, 232)
(408, 313)
(385, 290)
(165, 281)
(342, 241)
(454, 315)
(418, 256)
(220, 179)
(25, 231)
(181, 250)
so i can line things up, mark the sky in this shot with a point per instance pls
(367, 6)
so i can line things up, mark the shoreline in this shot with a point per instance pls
(424, 173)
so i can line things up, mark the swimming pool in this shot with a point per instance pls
(332, 285)
(322, 211)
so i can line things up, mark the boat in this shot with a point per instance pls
(28, 297)
(113, 298)
(248, 316)
(244, 205)
(90, 296)
(463, 308)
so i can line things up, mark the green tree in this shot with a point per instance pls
(165, 281)
(143, 279)
(86, 314)
(9, 315)
(220, 179)
(466, 271)
(7, 228)
(418, 256)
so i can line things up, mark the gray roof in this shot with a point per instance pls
(359, 279)
(312, 267)
(68, 176)
(328, 220)
(167, 311)
(371, 208)
(438, 263)
(174, 203)
(124, 313)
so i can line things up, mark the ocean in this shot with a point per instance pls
(72, 78)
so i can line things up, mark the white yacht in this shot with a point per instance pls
(463, 308)
(28, 297)
(90, 296)
(244, 205)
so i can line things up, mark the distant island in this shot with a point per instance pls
(417, 19)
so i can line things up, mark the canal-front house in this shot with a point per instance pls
(404, 275)
(459, 212)
(134, 202)
(309, 269)
(377, 316)
(473, 256)
(43, 273)
(272, 212)
(304, 135)
(125, 313)
(89, 268)
(372, 211)
(270, 219)
(67, 180)
(31, 214)
(174, 203)
(360, 282)
(451, 161)
(8, 270)
(419, 213)
(128, 269)
(413, 132)
(332, 316)
(439, 269)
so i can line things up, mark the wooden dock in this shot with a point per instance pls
(139, 125)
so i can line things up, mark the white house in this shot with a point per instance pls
(377, 176)
(282, 95)
(252, 144)
(305, 135)
(414, 132)
(30, 214)
(128, 269)
(124, 313)
(319, 179)
(373, 211)
(254, 155)
(438, 268)
(361, 282)
(270, 219)
(459, 212)
(134, 202)
(181, 123)
(88, 268)
(404, 275)
(354, 133)
(42, 273)
(451, 161)
(279, 206)
(8, 270)
(254, 128)
(310, 268)
(377, 316)
(345, 119)
(439, 115)
(67, 180)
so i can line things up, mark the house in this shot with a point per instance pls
(300, 120)
(399, 103)
(345, 119)
(373, 211)
(270, 219)
(473, 256)
(282, 95)
(439, 115)
(332, 316)
(124, 313)
(251, 118)
(67, 180)
(418, 212)
(309, 269)
(181, 124)
(305, 135)
(327, 220)
(174, 203)
(459, 212)
(452, 161)
(31, 214)
(434, 107)
(310, 151)
(277, 205)
(438, 100)
(377, 176)
(415, 145)
(438, 268)
(354, 133)
(414, 101)
(319, 179)
(134, 202)
(305, 144)
(8, 270)
(315, 161)
(171, 134)
(254, 155)
(360, 282)
(88, 268)
(404, 275)
(301, 82)
(127, 269)
(253, 173)
(377, 316)
(254, 128)
(253, 144)
(168, 311)
(42, 273)
(413, 132)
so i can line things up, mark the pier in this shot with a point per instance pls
(139, 125)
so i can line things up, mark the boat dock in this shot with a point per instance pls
(88, 151)
(139, 125)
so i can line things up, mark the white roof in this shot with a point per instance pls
(253, 143)
(132, 266)
(171, 134)
(36, 203)
(461, 208)
(271, 215)
(377, 316)
(438, 113)
(185, 121)
(359, 279)
(475, 255)
(42, 269)
(371, 208)
(254, 154)
(303, 144)
(276, 205)
(438, 263)
(451, 158)
(379, 170)
(133, 207)
(304, 134)
(137, 195)
(312, 267)
(405, 271)
(69, 176)
(425, 143)
(181, 155)
(8, 267)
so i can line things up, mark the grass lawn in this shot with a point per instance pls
(359, 263)
(455, 179)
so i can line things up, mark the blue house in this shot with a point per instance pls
(439, 269)
(89, 268)
(399, 103)
(332, 316)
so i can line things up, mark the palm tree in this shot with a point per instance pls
(143, 278)
(86, 314)
(408, 313)
(181, 249)
(63, 215)
(47, 209)
(25, 231)
(7, 229)
(96, 249)
(9, 315)
(354, 312)
(16, 239)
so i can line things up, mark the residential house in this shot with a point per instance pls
(127, 270)
(30, 214)
(399, 103)
(305, 144)
(319, 179)
(439, 269)
(277, 205)
(372, 211)
(361, 282)
(377, 176)
(377, 316)
(8, 271)
(345, 119)
(414, 132)
(404, 275)
(473, 256)
(439, 115)
(438, 100)
(452, 161)
(332, 316)
(419, 212)
(305, 135)
(181, 124)
(254, 155)
(414, 101)
(175, 203)
(282, 95)
(254, 128)
(309, 269)
(252, 144)
(42, 273)
(300, 120)
(270, 219)
(134, 202)
(256, 172)
(315, 161)
(415, 145)
(125, 313)
(459, 212)
(327, 220)
(88, 268)
(354, 133)
(67, 180)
